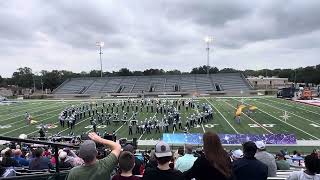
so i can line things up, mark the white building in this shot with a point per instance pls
(269, 82)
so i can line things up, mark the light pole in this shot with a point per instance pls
(34, 84)
(100, 44)
(41, 82)
(208, 40)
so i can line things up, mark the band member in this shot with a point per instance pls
(166, 126)
(237, 118)
(180, 124)
(94, 125)
(27, 118)
(157, 128)
(187, 123)
(174, 128)
(42, 132)
(130, 128)
(61, 119)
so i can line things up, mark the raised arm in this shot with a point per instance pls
(115, 147)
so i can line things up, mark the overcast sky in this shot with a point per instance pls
(168, 34)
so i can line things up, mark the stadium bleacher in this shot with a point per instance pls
(201, 83)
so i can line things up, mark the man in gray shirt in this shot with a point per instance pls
(266, 158)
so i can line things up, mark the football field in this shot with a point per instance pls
(271, 116)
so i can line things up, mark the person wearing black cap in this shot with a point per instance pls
(281, 162)
(248, 167)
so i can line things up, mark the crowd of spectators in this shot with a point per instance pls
(253, 162)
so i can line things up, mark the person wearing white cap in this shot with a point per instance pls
(236, 154)
(162, 171)
(266, 158)
(62, 158)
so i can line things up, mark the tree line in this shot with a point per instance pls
(24, 77)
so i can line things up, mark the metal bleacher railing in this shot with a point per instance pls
(56, 174)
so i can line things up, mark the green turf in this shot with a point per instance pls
(269, 112)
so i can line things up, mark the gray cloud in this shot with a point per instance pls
(160, 34)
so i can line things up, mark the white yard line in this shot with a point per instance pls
(252, 120)
(26, 109)
(223, 116)
(287, 123)
(24, 126)
(29, 113)
(290, 113)
(15, 107)
(19, 121)
(293, 106)
(203, 128)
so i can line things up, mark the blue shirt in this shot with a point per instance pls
(185, 162)
(21, 161)
(40, 163)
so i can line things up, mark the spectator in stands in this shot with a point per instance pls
(185, 162)
(215, 163)
(94, 169)
(267, 158)
(126, 164)
(47, 152)
(3, 151)
(248, 167)
(138, 167)
(152, 161)
(162, 171)
(236, 154)
(62, 163)
(21, 161)
(312, 164)
(179, 153)
(198, 152)
(281, 162)
(72, 158)
(40, 162)
(8, 160)
(317, 152)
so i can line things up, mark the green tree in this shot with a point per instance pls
(173, 72)
(124, 72)
(23, 77)
(228, 70)
(148, 72)
(1, 80)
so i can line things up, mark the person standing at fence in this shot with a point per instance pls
(94, 169)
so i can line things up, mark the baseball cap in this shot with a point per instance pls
(162, 149)
(237, 154)
(260, 145)
(129, 148)
(87, 149)
(62, 155)
(279, 154)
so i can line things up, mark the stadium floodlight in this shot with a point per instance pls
(208, 40)
(100, 44)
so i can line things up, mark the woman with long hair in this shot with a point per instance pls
(215, 164)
